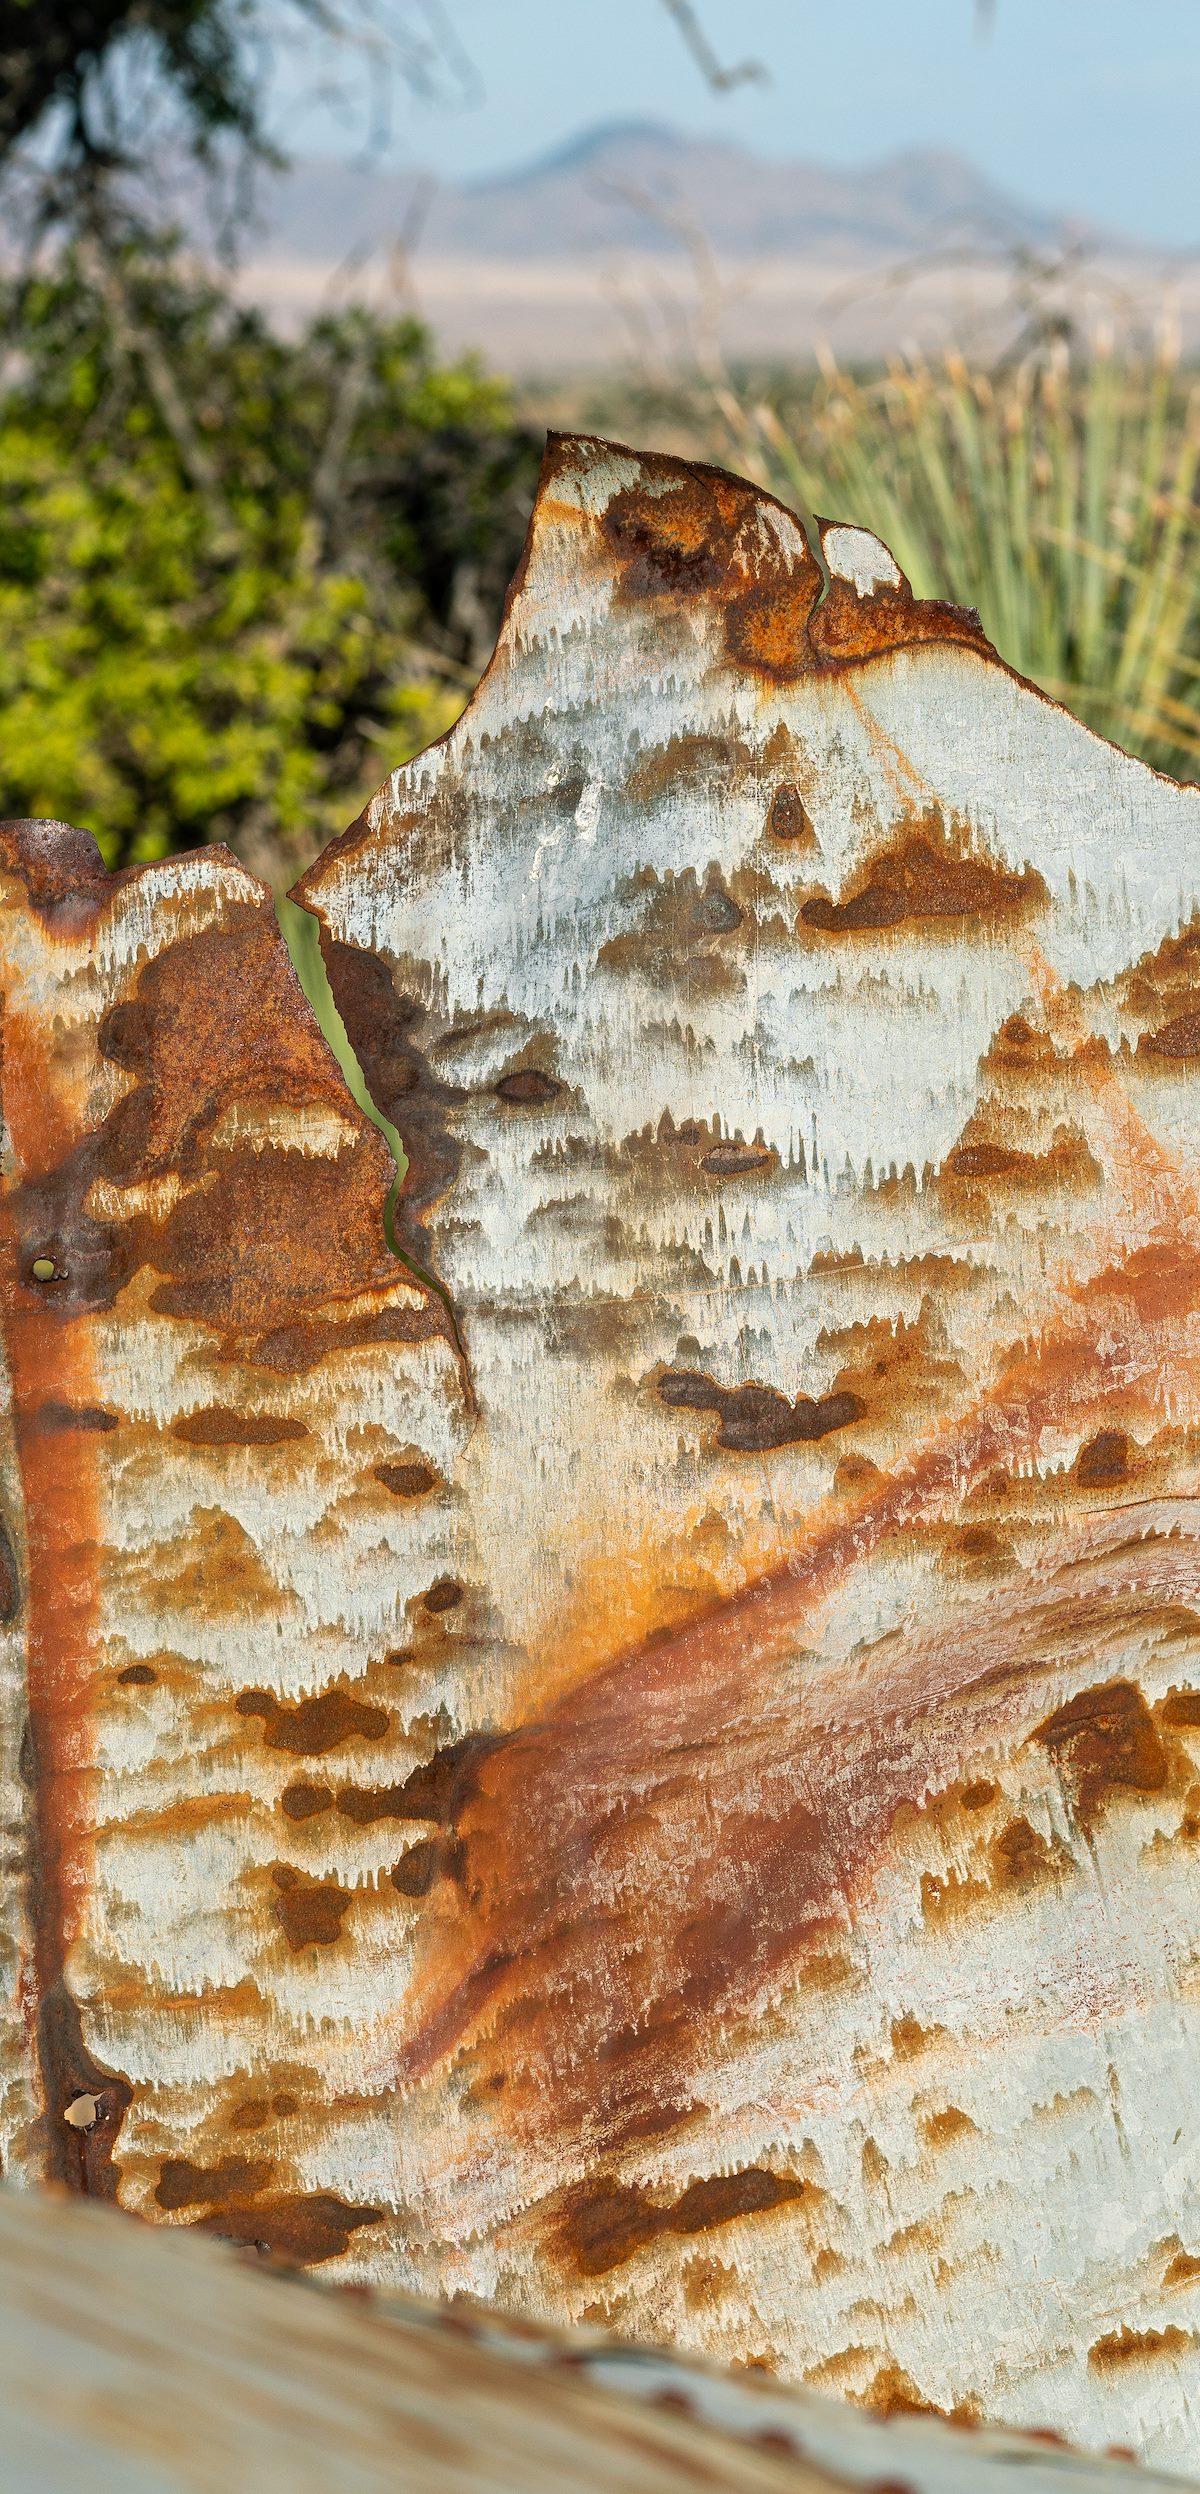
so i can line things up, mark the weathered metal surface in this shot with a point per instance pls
(676, 1801)
(134, 2362)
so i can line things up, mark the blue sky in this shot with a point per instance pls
(1088, 106)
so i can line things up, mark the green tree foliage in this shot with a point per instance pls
(240, 576)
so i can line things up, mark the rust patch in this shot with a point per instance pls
(59, 1419)
(754, 1418)
(527, 1087)
(941, 2129)
(314, 1725)
(220, 1426)
(681, 937)
(893, 2392)
(310, 1912)
(929, 876)
(183, 2184)
(1106, 1741)
(1123, 2346)
(1104, 1460)
(739, 1160)
(306, 1801)
(1181, 1708)
(602, 2224)
(687, 764)
(137, 1676)
(445, 1595)
(1022, 1858)
(910, 2038)
(977, 1162)
(788, 818)
(406, 1480)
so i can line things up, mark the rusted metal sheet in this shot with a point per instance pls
(670, 1796)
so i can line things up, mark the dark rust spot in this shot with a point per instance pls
(678, 933)
(738, 1160)
(56, 1419)
(137, 1676)
(1104, 1460)
(182, 2184)
(1106, 1740)
(788, 817)
(977, 1795)
(445, 1595)
(931, 875)
(604, 2223)
(306, 1801)
(756, 1418)
(416, 1870)
(219, 1426)
(1021, 1858)
(527, 1087)
(314, 1725)
(439, 1790)
(978, 1161)
(1179, 1038)
(310, 1912)
(406, 1480)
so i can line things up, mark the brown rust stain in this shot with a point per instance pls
(1181, 1708)
(978, 1163)
(600, 2225)
(788, 817)
(681, 935)
(940, 2129)
(893, 2392)
(1124, 2346)
(1106, 1741)
(1022, 1858)
(1104, 1461)
(755, 1418)
(306, 1801)
(546, 1818)
(303, 2227)
(310, 1912)
(312, 1726)
(184, 2184)
(218, 1425)
(406, 1480)
(929, 875)
(49, 1361)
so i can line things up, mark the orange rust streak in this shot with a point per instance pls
(49, 1360)
(697, 1689)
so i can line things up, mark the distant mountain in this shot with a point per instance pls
(630, 186)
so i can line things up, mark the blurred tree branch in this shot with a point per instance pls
(706, 60)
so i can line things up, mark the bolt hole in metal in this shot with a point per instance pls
(44, 1269)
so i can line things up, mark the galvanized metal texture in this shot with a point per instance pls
(669, 1796)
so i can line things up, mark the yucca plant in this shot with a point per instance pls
(1058, 497)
